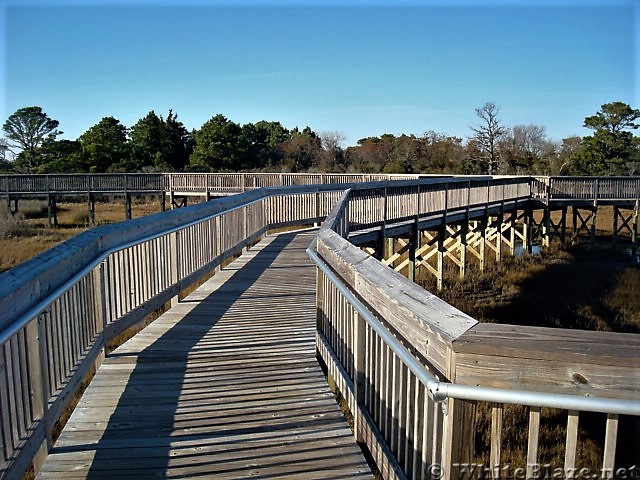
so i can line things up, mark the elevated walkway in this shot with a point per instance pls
(224, 385)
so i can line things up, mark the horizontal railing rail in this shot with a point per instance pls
(414, 387)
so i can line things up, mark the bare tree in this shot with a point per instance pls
(487, 135)
(526, 149)
(333, 155)
(5, 151)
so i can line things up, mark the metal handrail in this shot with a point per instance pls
(440, 391)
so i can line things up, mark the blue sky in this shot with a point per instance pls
(362, 68)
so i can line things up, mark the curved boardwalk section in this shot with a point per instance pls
(224, 385)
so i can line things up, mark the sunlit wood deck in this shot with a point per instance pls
(224, 385)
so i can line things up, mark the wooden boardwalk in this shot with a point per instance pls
(224, 385)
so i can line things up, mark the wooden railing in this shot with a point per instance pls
(240, 182)
(542, 188)
(591, 189)
(396, 351)
(414, 370)
(185, 183)
(81, 183)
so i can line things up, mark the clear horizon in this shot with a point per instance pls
(364, 69)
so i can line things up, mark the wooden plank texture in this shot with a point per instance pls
(224, 385)
(562, 360)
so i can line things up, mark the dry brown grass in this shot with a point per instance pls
(566, 287)
(551, 447)
(27, 233)
(589, 290)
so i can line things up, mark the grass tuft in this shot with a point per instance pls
(14, 226)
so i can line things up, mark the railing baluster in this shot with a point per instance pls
(610, 440)
(532, 445)
(496, 441)
(571, 444)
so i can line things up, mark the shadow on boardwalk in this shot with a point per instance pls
(224, 385)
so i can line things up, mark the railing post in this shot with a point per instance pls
(359, 383)
(45, 387)
(611, 434)
(346, 221)
(171, 192)
(488, 194)
(38, 391)
(496, 442)
(174, 245)
(458, 437)
(634, 231)
(571, 442)
(245, 222)
(546, 227)
(534, 436)
(382, 234)
(100, 295)
(548, 191)
(127, 198)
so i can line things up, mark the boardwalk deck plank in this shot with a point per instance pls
(224, 385)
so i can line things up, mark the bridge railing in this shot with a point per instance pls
(415, 371)
(184, 183)
(81, 183)
(590, 189)
(240, 182)
(371, 208)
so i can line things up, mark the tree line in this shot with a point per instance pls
(156, 143)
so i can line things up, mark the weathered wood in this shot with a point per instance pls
(532, 443)
(496, 441)
(360, 353)
(609, 458)
(571, 444)
(565, 361)
(370, 433)
(458, 437)
(213, 389)
(428, 322)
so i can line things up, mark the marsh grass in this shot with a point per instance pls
(551, 448)
(13, 226)
(27, 233)
(564, 287)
